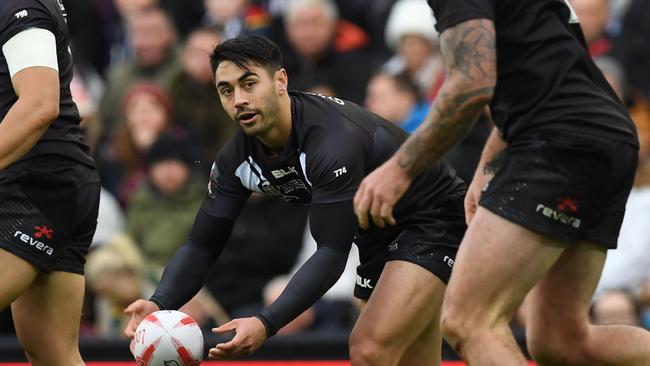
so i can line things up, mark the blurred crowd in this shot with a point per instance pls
(154, 122)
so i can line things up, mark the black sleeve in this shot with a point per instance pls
(323, 268)
(17, 16)
(184, 275)
(448, 13)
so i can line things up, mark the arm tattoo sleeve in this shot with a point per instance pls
(469, 53)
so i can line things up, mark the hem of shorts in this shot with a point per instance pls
(544, 230)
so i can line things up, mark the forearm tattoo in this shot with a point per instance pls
(469, 53)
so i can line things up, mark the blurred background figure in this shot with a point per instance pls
(147, 111)
(162, 210)
(616, 307)
(594, 18)
(152, 34)
(411, 34)
(397, 99)
(236, 17)
(320, 47)
(195, 99)
(115, 274)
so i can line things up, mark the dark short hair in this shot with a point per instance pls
(248, 50)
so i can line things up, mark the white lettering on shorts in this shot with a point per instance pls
(39, 245)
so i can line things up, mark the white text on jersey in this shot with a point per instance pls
(281, 172)
(339, 172)
(21, 14)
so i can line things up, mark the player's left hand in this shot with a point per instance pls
(379, 192)
(250, 333)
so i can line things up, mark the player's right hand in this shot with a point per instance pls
(138, 310)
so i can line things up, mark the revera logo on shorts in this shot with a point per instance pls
(558, 216)
(39, 245)
(364, 282)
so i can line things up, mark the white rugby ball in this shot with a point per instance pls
(167, 338)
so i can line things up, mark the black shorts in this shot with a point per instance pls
(48, 212)
(429, 239)
(567, 187)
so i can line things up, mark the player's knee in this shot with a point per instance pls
(455, 328)
(367, 350)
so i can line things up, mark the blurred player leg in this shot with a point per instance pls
(558, 329)
(497, 264)
(397, 320)
(47, 318)
(17, 274)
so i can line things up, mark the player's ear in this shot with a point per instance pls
(281, 80)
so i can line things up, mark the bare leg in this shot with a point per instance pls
(403, 306)
(17, 274)
(47, 318)
(558, 329)
(497, 264)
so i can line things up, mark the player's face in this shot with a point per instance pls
(250, 96)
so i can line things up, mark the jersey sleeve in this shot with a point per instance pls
(336, 168)
(19, 15)
(226, 195)
(451, 12)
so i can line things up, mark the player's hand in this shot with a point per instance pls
(138, 310)
(379, 192)
(473, 196)
(250, 333)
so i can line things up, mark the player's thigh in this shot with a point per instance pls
(48, 314)
(497, 264)
(559, 303)
(406, 299)
(16, 274)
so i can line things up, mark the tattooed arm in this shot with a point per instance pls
(469, 53)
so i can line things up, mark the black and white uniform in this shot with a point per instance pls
(333, 145)
(49, 198)
(572, 148)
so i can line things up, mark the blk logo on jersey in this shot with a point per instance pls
(279, 173)
(364, 282)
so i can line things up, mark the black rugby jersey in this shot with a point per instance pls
(545, 76)
(333, 145)
(64, 136)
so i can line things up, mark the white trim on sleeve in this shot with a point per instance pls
(29, 48)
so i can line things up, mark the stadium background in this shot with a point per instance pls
(144, 90)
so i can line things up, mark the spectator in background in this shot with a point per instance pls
(632, 46)
(115, 274)
(594, 18)
(154, 39)
(397, 99)
(116, 13)
(236, 17)
(322, 48)
(161, 213)
(196, 102)
(147, 114)
(411, 34)
(616, 307)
